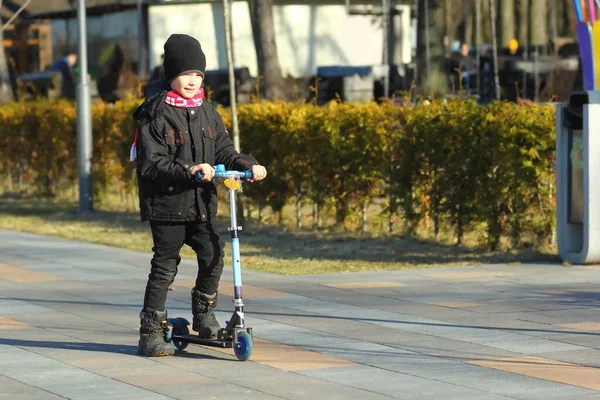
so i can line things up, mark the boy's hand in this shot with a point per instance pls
(258, 173)
(206, 170)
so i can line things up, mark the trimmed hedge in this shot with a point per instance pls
(456, 162)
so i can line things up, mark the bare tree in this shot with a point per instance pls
(507, 21)
(486, 22)
(539, 22)
(454, 14)
(468, 18)
(6, 94)
(495, 46)
(524, 22)
(430, 47)
(261, 15)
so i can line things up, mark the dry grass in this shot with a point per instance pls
(265, 247)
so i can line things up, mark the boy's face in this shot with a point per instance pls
(187, 84)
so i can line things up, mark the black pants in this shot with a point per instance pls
(168, 241)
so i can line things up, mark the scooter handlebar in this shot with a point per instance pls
(220, 172)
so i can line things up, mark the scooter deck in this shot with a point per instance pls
(195, 339)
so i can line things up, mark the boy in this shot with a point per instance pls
(179, 135)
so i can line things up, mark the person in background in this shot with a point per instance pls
(65, 67)
(158, 73)
(110, 64)
(156, 79)
(487, 84)
(511, 78)
(468, 68)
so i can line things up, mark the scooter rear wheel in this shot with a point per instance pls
(179, 327)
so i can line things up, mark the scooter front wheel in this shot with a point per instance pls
(243, 347)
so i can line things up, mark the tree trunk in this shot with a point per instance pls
(486, 22)
(261, 15)
(524, 23)
(298, 211)
(495, 47)
(430, 47)
(454, 15)
(6, 94)
(363, 216)
(568, 23)
(468, 17)
(539, 22)
(507, 21)
(553, 28)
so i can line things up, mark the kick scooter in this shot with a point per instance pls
(236, 334)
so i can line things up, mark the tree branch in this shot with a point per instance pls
(15, 15)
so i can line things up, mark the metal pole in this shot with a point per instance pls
(386, 44)
(141, 41)
(526, 51)
(495, 47)
(466, 38)
(427, 41)
(553, 28)
(84, 119)
(478, 42)
(416, 59)
(232, 92)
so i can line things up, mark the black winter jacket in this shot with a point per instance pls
(170, 141)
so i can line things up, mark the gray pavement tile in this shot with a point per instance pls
(62, 379)
(10, 306)
(397, 385)
(83, 329)
(20, 260)
(504, 307)
(84, 275)
(15, 390)
(299, 386)
(586, 341)
(521, 327)
(587, 314)
(210, 390)
(589, 357)
(479, 334)
(521, 344)
(455, 350)
(504, 383)
(289, 385)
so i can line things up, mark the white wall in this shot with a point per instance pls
(307, 36)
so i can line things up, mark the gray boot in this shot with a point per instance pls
(204, 321)
(152, 342)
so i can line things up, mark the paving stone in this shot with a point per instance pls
(62, 379)
(68, 336)
(504, 383)
(15, 390)
(397, 385)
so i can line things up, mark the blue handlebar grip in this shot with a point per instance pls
(219, 172)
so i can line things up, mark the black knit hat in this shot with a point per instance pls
(183, 54)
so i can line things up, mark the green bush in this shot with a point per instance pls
(457, 162)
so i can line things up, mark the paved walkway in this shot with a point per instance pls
(69, 319)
